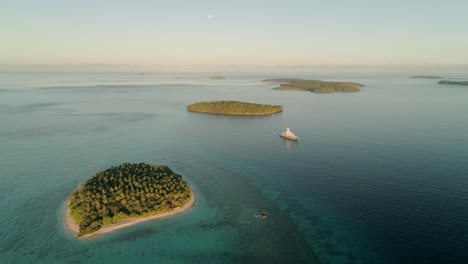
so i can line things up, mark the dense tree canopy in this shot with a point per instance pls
(465, 83)
(234, 108)
(315, 86)
(126, 191)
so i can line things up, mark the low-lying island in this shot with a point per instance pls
(446, 82)
(234, 108)
(315, 86)
(126, 195)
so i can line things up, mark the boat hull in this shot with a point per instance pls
(291, 138)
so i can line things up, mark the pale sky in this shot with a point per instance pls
(219, 32)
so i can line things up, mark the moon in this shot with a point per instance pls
(210, 16)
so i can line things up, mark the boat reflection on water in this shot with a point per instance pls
(289, 143)
(289, 139)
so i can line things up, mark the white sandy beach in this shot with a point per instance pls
(73, 227)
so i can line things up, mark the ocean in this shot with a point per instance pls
(379, 176)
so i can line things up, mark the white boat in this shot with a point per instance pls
(289, 135)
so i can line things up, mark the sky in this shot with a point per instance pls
(254, 32)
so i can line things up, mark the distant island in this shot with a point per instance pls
(234, 108)
(464, 83)
(427, 77)
(315, 86)
(126, 195)
(218, 77)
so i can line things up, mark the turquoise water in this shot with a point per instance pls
(378, 176)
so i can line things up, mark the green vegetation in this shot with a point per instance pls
(315, 86)
(427, 77)
(464, 83)
(218, 77)
(234, 108)
(126, 191)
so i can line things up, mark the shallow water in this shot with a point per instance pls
(377, 176)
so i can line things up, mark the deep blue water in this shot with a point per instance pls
(378, 176)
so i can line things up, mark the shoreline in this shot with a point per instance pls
(73, 228)
(236, 114)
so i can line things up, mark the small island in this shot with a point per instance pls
(126, 195)
(234, 108)
(315, 86)
(218, 77)
(463, 83)
(427, 77)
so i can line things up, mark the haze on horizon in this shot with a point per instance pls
(233, 32)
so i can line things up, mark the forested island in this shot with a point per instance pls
(234, 108)
(218, 77)
(464, 83)
(128, 193)
(427, 77)
(315, 86)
